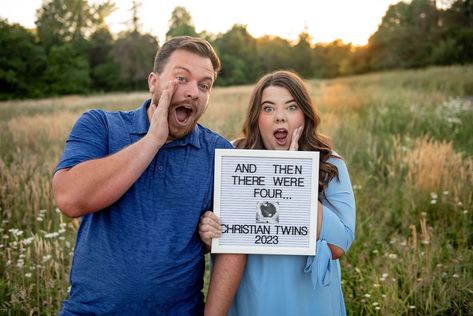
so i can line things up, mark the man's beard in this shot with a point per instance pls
(176, 133)
(179, 132)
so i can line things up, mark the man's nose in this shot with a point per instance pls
(191, 90)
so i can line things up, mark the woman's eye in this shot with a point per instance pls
(292, 107)
(267, 109)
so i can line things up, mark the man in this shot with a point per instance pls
(140, 180)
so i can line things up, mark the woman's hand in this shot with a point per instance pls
(209, 227)
(296, 134)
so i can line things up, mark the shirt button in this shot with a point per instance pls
(160, 168)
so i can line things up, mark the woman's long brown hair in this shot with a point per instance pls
(310, 140)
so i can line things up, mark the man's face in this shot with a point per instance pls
(195, 76)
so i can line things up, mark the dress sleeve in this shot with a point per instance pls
(88, 140)
(338, 223)
(338, 226)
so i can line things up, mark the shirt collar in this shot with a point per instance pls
(140, 123)
(141, 126)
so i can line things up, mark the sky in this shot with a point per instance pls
(352, 21)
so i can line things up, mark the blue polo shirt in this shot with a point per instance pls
(142, 255)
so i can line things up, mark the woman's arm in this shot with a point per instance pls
(339, 211)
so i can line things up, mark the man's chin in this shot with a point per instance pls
(176, 133)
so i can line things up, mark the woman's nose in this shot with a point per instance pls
(280, 117)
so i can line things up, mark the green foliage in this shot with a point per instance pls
(237, 51)
(134, 54)
(273, 53)
(67, 71)
(21, 62)
(331, 60)
(105, 74)
(301, 60)
(412, 34)
(180, 23)
(63, 21)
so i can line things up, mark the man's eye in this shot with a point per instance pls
(204, 86)
(181, 78)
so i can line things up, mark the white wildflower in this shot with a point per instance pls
(27, 241)
(46, 258)
(51, 235)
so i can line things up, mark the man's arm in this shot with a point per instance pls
(95, 184)
(224, 281)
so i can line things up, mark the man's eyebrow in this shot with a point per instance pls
(189, 72)
(182, 68)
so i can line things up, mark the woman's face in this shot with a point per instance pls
(279, 116)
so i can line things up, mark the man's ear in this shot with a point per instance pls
(152, 82)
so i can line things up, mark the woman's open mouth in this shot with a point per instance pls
(280, 135)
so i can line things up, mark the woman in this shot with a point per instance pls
(281, 116)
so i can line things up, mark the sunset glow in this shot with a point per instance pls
(325, 21)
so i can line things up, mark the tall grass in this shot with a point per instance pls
(406, 138)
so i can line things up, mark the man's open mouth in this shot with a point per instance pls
(183, 113)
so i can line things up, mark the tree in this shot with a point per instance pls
(22, 62)
(406, 36)
(67, 71)
(273, 53)
(456, 33)
(302, 55)
(180, 23)
(238, 53)
(331, 60)
(134, 54)
(104, 72)
(70, 21)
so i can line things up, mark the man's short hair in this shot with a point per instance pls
(191, 44)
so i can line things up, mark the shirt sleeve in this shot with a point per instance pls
(338, 223)
(88, 140)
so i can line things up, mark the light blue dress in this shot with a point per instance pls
(303, 285)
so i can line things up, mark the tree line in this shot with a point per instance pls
(72, 51)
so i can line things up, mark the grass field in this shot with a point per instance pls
(409, 148)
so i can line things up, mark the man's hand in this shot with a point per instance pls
(159, 130)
